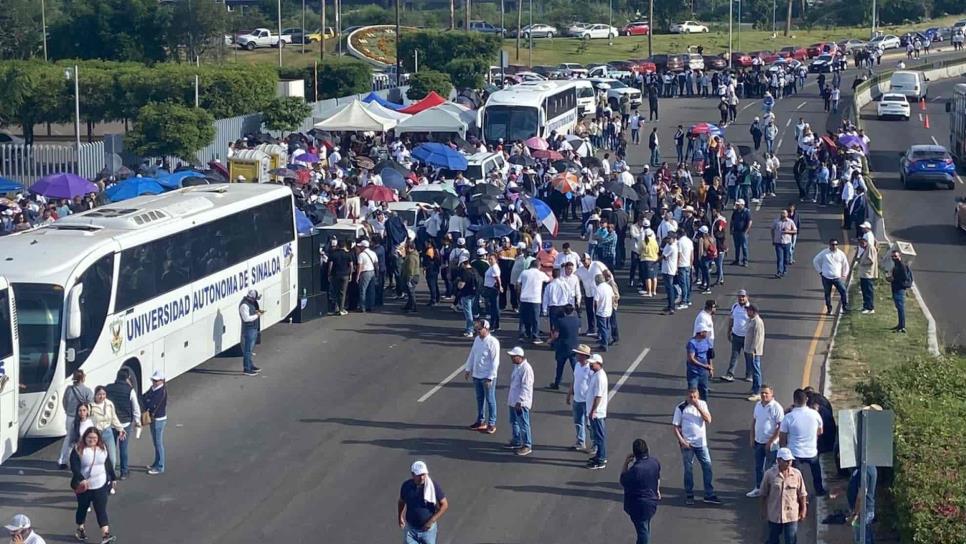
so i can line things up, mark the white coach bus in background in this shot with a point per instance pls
(151, 283)
(532, 108)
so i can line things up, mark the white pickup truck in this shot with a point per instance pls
(262, 37)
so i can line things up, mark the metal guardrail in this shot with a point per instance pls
(28, 163)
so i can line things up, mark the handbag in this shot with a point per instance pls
(146, 418)
(82, 485)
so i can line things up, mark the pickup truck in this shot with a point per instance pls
(608, 72)
(615, 90)
(262, 37)
(486, 28)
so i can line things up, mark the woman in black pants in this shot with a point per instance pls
(92, 477)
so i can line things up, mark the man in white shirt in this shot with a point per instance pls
(669, 270)
(737, 329)
(587, 272)
(556, 296)
(635, 124)
(765, 424)
(22, 533)
(683, 277)
(833, 265)
(520, 401)
(597, 411)
(482, 365)
(603, 310)
(366, 261)
(577, 395)
(799, 432)
(530, 286)
(690, 427)
(566, 255)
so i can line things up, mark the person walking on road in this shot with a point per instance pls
(690, 421)
(597, 390)
(740, 226)
(250, 314)
(699, 366)
(421, 504)
(655, 146)
(756, 133)
(800, 430)
(782, 231)
(468, 284)
(128, 408)
(21, 532)
(520, 402)
(833, 266)
(754, 348)
(783, 499)
(482, 365)
(577, 395)
(641, 480)
(156, 404)
(92, 479)
(75, 395)
(604, 302)
(567, 340)
(765, 423)
(900, 279)
(867, 265)
(737, 329)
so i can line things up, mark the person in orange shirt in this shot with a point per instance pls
(546, 257)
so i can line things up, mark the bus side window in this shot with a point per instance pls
(94, 301)
(6, 341)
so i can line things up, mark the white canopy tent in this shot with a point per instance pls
(433, 120)
(465, 114)
(382, 111)
(355, 117)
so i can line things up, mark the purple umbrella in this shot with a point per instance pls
(307, 157)
(63, 186)
(849, 140)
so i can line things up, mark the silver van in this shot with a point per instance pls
(913, 85)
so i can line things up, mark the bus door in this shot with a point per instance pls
(9, 375)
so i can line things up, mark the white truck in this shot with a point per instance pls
(262, 37)
(607, 72)
(615, 90)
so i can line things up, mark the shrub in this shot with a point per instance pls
(285, 113)
(171, 129)
(422, 83)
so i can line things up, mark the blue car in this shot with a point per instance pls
(935, 34)
(927, 165)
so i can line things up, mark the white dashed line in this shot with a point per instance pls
(445, 381)
(934, 140)
(959, 179)
(788, 123)
(920, 117)
(627, 374)
(779, 146)
(800, 106)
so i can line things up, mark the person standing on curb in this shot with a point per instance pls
(767, 419)
(867, 265)
(690, 427)
(250, 315)
(482, 365)
(577, 395)
(641, 480)
(754, 348)
(597, 411)
(75, 395)
(156, 404)
(421, 504)
(737, 329)
(783, 499)
(520, 402)
(901, 279)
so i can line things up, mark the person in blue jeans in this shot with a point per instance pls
(641, 480)
(690, 426)
(421, 504)
(699, 367)
(740, 225)
(249, 312)
(482, 365)
(467, 283)
(156, 404)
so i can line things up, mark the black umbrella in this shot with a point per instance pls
(523, 160)
(563, 165)
(389, 163)
(215, 176)
(481, 205)
(194, 181)
(449, 202)
(485, 189)
(622, 191)
(318, 214)
(591, 162)
(464, 146)
(283, 172)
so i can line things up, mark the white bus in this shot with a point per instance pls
(529, 109)
(151, 283)
(9, 365)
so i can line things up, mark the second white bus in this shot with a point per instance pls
(530, 109)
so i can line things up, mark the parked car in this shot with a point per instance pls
(887, 41)
(673, 63)
(816, 49)
(687, 27)
(910, 37)
(717, 62)
(620, 69)
(598, 32)
(486, 28)
(297, 35)
(643, 66)
(262, 37)
(537, 31)
(767, 57)
(740, 60)
(615, 90)
(571, 69)
(927, 164)
(693, 61)
(934, 33)
(797, 53)
(639, 28)
(961, 213)
(8, 138)
(821, 63)
(893, 105)
(852, 45)
(575, 29)
(318, 35)
(790, 65)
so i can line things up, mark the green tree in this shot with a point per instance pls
(110, 29)
(195, 27)
(466, 73)
(32, 93)
(21, 37)
(171, 129)
(421, 83)
(285, 113)
(437, 48)
(340, 78)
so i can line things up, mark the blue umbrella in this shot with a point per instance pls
(393, 179)
(9, 186)
(441, 156)
(175, 180)
(133, 187)
(302, 223)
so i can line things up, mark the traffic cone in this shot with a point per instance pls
(922, 103)
(925, 121)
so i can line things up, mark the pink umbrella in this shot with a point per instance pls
(537, 142)
(547, 154)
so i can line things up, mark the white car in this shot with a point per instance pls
(853, 45)
(537, 31)
(687, 27)
(9, 138)
(615, 90)
(886, 42)
(598, 31)
(893, 105)
(576, 29)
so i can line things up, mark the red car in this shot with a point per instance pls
(740, 60)
(797, 53)
(766, 57)
(816, 49)
(639, 28)
(643, 66)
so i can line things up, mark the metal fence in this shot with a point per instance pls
(28, 163)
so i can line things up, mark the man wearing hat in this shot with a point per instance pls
(597, 389)
(250, 313)
(421, 504)
(784, 498)
(577, 395)
(366, 263)
(520, 402)
(21, 532)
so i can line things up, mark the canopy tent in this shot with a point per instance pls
(433, 120)
(431, 100)
(355, 117)
(465, 114)
(383, 111)
(375, 98)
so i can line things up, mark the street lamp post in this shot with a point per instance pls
(731, 9)
(43, 24)
(739, 24)
(280, 43)
(530, 38)
(873, 20)
(303, 27)
(774, 20)
(398, 60)
(650, 26)
(610, 22)
(72, 75)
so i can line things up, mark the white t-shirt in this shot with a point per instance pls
(692, 424)
(604, 300)
(669, 264)
(587, 276)
(492, 275)
(739, 319)
(685, 252)
(597, 388)
(582, 374)
(367, 260)
(705, 321)
(531, 285)
(93, 468)
(802, 425)
(768, 417)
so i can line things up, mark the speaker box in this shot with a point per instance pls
(310, 280)
(311, 307)
(308, 250)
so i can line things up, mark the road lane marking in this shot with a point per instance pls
(959, 179)
(934, 140)
(780, 140)
(439, 386)
(627, 374)
(920, 117)
(816, 336)
(936, 99)
(788, 123)
(800, 106)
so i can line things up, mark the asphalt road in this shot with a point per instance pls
(317, 446)
(924, 215)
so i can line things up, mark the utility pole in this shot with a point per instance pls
(774, 11)
(502, 16)
(43, 24)
(650, 26)
(398, 60)
(280, 44)
(303, 27)
(739, 24)
(530, 38)
(452, 14)
(466, 17)
(610, 22)
(519, 26)
(870, 37)
(322, 38)
(788, 20)
(731, 9)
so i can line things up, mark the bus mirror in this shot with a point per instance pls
(70, 354)
(74, 312)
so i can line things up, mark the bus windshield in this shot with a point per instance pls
(511, 123)
(39, 308)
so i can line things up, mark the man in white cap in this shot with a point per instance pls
(366, 264)
(421, 504)
(866, 229)
(784, 498)
(597, 389)
(250, 313)
(482, 365)
(21, 532)
(520, 402)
